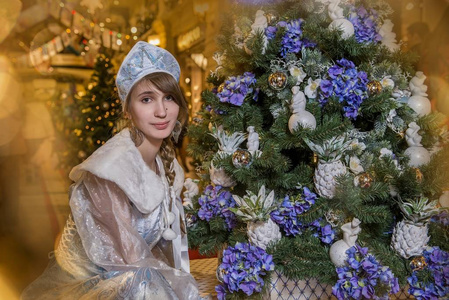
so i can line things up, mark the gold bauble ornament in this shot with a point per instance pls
(374, 87)
(419, 175)
(241, 158)
(277, 80)
(365, 180)
(418, 263)
(271, 18)
(220, 87)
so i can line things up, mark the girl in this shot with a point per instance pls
(124, 238)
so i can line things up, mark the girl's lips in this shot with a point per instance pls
(161, 126)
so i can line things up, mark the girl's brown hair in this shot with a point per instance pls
(168, 85)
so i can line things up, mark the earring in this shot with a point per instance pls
(176, 131)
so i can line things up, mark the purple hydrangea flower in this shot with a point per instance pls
(214, 202)
(438, 264)
(365, 25)
(286, 215)
(237, 88)
(243, 267)
(292, 41)
(442, 217)
(323, 231)
(270, 32)
(364, 277)
(346, 84)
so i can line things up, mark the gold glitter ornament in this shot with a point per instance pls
(220, 87)
(365, 180)
(241, 158)
(374, 87)
(277, 80)
(418, 263)
(271, 18)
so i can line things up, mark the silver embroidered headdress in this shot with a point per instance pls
(144, 59)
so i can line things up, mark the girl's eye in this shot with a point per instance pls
(169, 98)
(146, 100)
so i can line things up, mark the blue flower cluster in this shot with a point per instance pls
(323, 231)
(438, 265)
(442, 217)
(365, 25)
(237, 88)
(363, 277)
(243, 268)
(292, 41)
(286, 215)
(214, 202)
(347, 84)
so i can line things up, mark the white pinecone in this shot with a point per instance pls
(261, 233)
(325, 174)
(409, 239)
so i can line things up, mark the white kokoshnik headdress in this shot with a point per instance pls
(144, 59)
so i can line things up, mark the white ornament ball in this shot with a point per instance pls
(420, 104)
(418, 156)
(444, 199)
(337, 253)
(307, 120)
(304, 118)
(344, 25)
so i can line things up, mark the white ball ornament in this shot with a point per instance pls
(418, 156)
(344, 25)
(420, 104)
(304, 118)
(444, 199)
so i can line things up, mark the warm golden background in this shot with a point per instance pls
(45, 61)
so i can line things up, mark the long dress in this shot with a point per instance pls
(112, 245)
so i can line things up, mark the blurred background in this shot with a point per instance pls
(58, 59)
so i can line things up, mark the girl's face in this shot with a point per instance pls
(152, 111)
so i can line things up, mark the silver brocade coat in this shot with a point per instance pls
(112, 245)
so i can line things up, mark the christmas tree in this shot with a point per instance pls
(318, 155)
(96, 114)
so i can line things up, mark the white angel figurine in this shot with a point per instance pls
(253, 140)
(412, 136)
(337, 252)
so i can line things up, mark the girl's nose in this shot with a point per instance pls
(161, 110)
